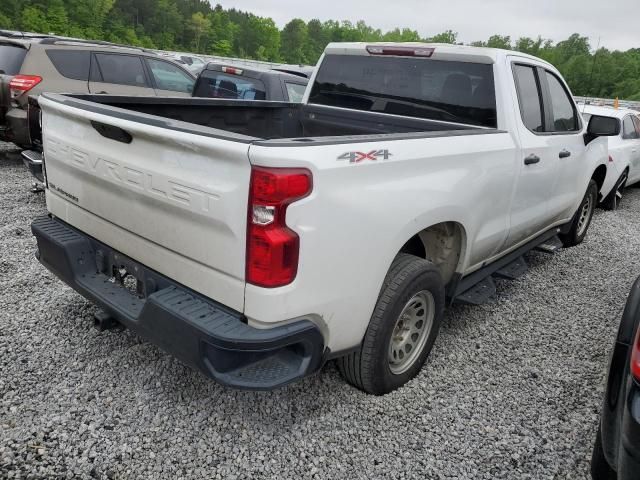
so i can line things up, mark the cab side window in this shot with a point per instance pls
(563, 111)
(295, 91)
(629, 131)
(529, 97)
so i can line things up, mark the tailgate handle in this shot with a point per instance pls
(114, 133)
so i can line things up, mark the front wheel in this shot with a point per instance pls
(402, 329)
(582, 218)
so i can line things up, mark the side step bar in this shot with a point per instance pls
(479, 288)
(33, 161)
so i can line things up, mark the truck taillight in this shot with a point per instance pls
(23, 83)
(272, 247)
(232, 70)
(635, 357)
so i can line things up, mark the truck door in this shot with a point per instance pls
(534, 184)
(566, 147)
(118, 74)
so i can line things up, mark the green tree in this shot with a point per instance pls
(34, 20)
(317, 38)
(499, 41)
(196, 25)
(445, 37)
(199, 25)
(5, 21)
(57, 17)
(529, 45)
(293, 39)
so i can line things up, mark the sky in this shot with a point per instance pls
(615, 22)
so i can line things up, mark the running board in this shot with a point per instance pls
(514, 270)
(551, 246)
(481, 293)
(479, 287)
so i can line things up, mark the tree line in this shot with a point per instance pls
(197, 26)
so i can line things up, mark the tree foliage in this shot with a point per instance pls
(197, 26)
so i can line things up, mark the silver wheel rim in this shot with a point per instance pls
(411, 331)
(585, 216)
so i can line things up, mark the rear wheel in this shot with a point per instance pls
(600, 468)
(402, 329)
(582, 218)
(612, 202)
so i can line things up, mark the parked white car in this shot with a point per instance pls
(265, 238)
(624, 152)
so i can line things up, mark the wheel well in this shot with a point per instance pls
(441, 244)
(599, 176)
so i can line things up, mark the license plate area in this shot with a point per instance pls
(123, 271)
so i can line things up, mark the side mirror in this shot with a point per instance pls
(600, 126)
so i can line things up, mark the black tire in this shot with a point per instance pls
(612, 202)
(600, 468)
(582, 218)
(370, 368)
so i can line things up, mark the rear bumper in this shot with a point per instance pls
(200, 332)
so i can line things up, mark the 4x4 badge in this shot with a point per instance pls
(357, 157)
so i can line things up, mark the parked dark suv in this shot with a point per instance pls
(239, 82)
(32, 63)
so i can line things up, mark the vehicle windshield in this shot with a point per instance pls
(219, 85)
(11, 58)
(450, 91)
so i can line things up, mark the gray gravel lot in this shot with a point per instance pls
(512, 389)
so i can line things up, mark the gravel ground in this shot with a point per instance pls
(512, 389)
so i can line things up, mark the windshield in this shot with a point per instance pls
(415, 87)
(11, 58)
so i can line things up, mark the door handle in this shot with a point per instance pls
(531, 159)
(564, 154)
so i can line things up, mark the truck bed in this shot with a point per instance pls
(250, 121)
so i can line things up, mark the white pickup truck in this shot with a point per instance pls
(257, 240)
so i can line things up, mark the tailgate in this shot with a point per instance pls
(170, 198)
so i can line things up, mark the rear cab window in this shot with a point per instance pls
(451, 91)
(11, 58)
(214, 84)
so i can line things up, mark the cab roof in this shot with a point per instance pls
(441, 51)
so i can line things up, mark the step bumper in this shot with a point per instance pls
(199, 331)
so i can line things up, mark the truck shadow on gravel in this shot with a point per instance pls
(9, 155)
